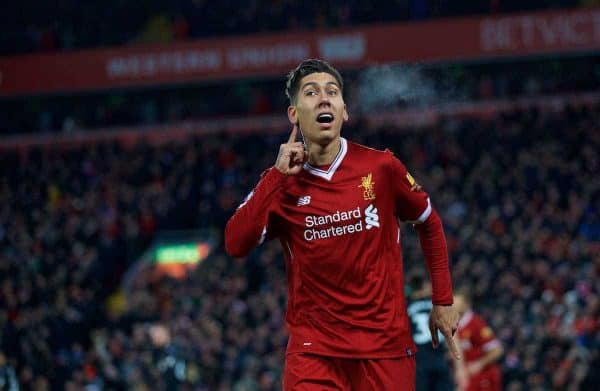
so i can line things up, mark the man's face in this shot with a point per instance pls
(320, 109)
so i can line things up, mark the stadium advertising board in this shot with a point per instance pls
(273, 55)
(176, 260)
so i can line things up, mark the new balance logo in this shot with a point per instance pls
(371, 217)
(303, 201)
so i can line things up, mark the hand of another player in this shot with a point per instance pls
(462, 380)
(461, 376)
(445, 319)
(291, 155)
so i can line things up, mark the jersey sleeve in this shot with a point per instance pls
(253, 220)
(483, 336)
(411, 201)
(413, 205)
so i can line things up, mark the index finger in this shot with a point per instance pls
(452, 346)
(294, 134)
(434, 335)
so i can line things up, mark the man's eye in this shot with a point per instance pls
(311, 93)
(333, 92)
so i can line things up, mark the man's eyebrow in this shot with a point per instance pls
(315, 84)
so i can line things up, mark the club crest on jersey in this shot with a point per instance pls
(414, 186)
(367, 185)
(486, 332)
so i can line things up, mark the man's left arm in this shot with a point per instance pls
(444, 316)
(413, 205)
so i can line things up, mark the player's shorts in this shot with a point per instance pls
(490, 379)
(320, 373)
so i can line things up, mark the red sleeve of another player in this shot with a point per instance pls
(483, 336)
(249, 225)
(413, 205)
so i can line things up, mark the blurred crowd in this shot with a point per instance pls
(70, 224)
(423, 85)
(32, 26)
(521, 209)
(519, 194)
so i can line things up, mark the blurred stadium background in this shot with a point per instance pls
(131, 131)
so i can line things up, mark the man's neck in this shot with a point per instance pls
(321, 155)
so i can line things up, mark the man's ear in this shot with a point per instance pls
(345, 114)
(292, 115)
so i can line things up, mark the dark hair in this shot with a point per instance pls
(305, 68)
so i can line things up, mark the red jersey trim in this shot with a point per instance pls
(490, 345)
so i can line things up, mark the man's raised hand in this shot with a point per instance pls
(291, 155)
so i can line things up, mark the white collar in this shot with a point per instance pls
(334, 166)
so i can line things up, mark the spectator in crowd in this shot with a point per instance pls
(8, 376)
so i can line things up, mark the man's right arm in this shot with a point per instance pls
(248, 226)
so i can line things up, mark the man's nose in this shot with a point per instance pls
(324, 99)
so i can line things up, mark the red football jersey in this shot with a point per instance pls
(341, 239)
(475, 336)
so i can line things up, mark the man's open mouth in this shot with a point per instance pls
(325, 118)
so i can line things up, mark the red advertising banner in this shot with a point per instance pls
(268, 55)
